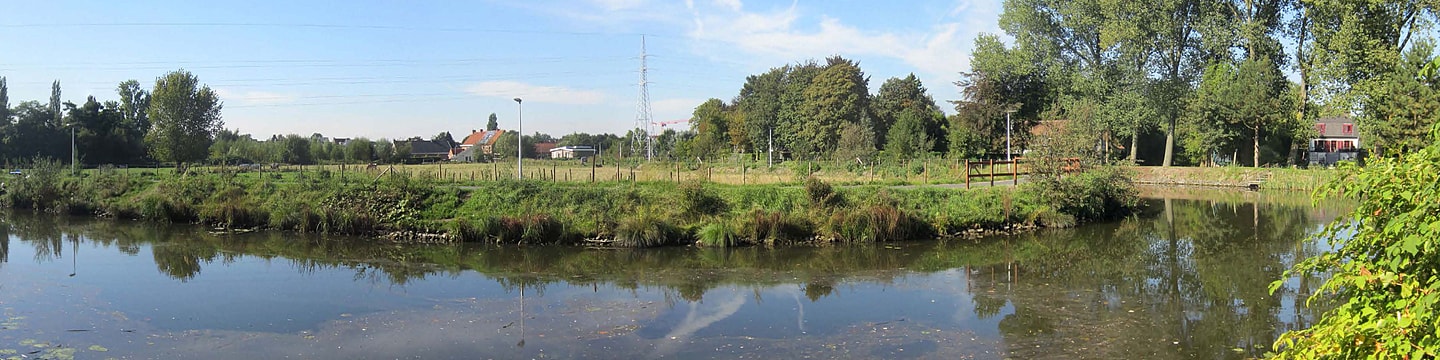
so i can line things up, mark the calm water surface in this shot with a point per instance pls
(1188, 278)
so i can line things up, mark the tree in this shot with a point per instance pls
(709, 122)
(837, 95)
(1382, 273)
(1402, 105)
(134, 103)
(505, 145)
(360, 150)
(897, 95)
(4, 104)
(759, 103)
(184, 115)
(55, 103)
(908, 137)
(1001, 80)
(493, 124)
(1249, 98)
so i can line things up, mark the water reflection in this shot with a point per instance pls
(1188, 277)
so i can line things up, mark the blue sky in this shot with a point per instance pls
(415, 68)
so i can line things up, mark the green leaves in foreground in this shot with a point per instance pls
(1386, 273)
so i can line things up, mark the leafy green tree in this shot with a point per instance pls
(134, 103)
(184, 115)
(99, 133)
(493, 124)
(711, 126)
(857, 141)
(961, 141)
(1383, 271)
(907, 137)
(295, 149)
(759, 102)
(35, 133)
(838, 94)
(795, 115)
(1249, 98)
(738, 132)
(505, 145)
(55, 110)
(1001, 80)
(360, 150)
(4, 104)
(897, 95)
(1402, 105)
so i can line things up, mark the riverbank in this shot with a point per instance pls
(608, 213)
(1236, 177)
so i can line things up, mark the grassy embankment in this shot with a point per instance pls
(621, 213)
(1234, 176)
(915, 172)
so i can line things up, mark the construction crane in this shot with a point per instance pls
(662, 124)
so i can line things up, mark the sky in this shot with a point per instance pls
(396, 69)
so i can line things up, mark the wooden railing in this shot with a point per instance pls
(1013, 168)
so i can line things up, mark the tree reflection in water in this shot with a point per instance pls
(1187, 276)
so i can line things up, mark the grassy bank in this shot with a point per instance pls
(616, 213)
(1234, 176)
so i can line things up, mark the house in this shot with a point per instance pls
(571, 152)
(422, 150)
(1336, 141)
(477, 146)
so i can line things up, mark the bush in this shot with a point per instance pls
(646, 230)
(1096, 194)
(697, 200)
(719, 234)
(775, 228)
(880, 222)
(38, 188)
(821, 194)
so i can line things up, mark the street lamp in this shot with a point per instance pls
(72, 148)
(1007, 134)
(519, 133)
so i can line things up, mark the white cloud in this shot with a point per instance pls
(785, 35)
(255, 97)
(613, 5)
(536, 93)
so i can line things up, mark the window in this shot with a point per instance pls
(1348, 129)
(1320, 128)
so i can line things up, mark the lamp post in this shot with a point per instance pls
(519, 133)
(1007, 134)
(72, 148)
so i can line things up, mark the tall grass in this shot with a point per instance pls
(646, 230)
(719, 233)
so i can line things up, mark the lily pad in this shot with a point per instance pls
(98, 348)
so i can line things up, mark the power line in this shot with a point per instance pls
(313, 26)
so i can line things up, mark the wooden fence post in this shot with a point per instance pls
(991, 162)
(967, 173)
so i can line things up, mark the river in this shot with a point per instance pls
(1188, 277)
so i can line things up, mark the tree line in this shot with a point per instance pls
(1159, 82)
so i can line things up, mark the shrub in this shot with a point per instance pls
(697, 200)
(646, 230)
(821, 194)
(775, 227)
(719, 234)
(38, 188)
(876, 223)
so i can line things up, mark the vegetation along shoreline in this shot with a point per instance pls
(405, 207)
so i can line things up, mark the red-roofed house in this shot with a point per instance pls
(477, 146)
